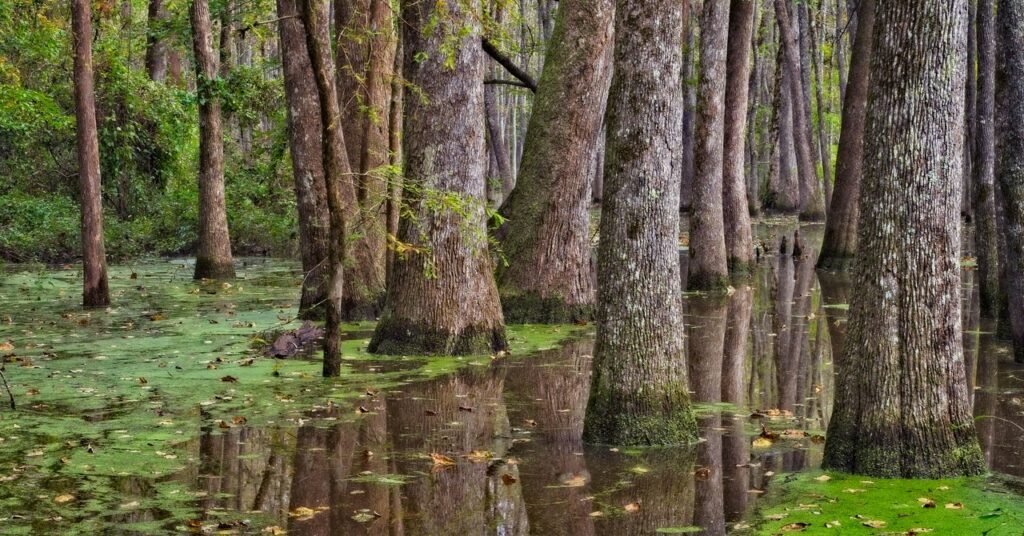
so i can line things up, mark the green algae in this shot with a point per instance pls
(833, 503)
(112, 402)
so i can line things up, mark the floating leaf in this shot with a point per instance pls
(440, 460)
(795, 527)
(926, 502)
(823, 478)
(65, 498)
(955, 506)
(508, 479)
(874, 523)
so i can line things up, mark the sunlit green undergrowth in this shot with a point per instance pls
(111, 398)
(829, 503)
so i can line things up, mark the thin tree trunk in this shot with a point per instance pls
(549, 275)
(985, 232)
(689, 109)
(1010, 171)
(708, 268)
(443, 298)
(213, 255)
(971, 121)
(823, 143)
(395, 152)
(812, 205)
(496, 139)
(739, 242)
(783, 184)
(337, 174)
(840, 243)
(304, 142)
(902, 406)
(156, 45)
(95, 290)
(638, 392)
(839, 46)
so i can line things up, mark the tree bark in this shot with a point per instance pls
(708, 268)
(1010, 171)
(739, 242)
(638, 393)
(823, 139)
(783, 184)
(443, 298)
(689, 108)
(156, 45)
(341, 198)
(840, 243)
(549, 276)
(985, 232)
(902, 406)
(213, 255)
(971, 121)
(304, 142)
(395, 151)
(812, 205)
(95, 290)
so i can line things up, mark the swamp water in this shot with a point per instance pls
(159, 415)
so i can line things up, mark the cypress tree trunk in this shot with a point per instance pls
(443, 299)
(971, 121)
(840, 243)
(304, 143)
(708, 268)
(812, 204)
(638, 392)
(337, 175)
(213, 254)
(549, 277)
(739, 242)
(783, 187)
(1010, 171)
(395, 151)
(902, 406)
(690, 25)
(156, 45)
(985, 233)
(95, 291)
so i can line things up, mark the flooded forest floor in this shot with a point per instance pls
(163, 414)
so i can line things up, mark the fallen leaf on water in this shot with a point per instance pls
(32, 392)
(143, 381)
(440, 460)
(575, 481)
(833, 524)
(795, 527)
(238, 420)
(632, 507)
(926, 502)
(874, 523)
(597, 513)
(65, 498)
(508, 479)
(364, 515)
(776, 517)
(955, 506)
(275, 531)
(823, 478)
(430, 413)
(229, 378)
(917, 530)
(466, 409)
(854, 490)
(762, 443)
(479, 456)
(530, 422)
(6, 347)
(944, 488)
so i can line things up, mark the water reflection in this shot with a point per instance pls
(513, 430)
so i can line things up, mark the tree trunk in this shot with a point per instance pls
(341, 198)
(985, 233)
(823, 138)
(971, 121)
(549, 276)
(638, 392)
(739, 242)
(443, 299)
(812, 205)
(1010, 93)
(304, 142)
(496, 141)
(395, 151)
(213, 254)
(902, 407)
(783, 184)
(95, 292)
(840, 244)
(689, 109)
(708, 268)
(156, 45)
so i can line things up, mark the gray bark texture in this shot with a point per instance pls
(213, 254)
(739, 242)
(550, 275)
(443, 298)
(638, 392)
(985, 229)
(95, 290)
(902, 405)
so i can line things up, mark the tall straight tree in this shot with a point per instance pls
(443, 298)
(213, 254)
(549, 276)
(902, 405)
(304, 143)
(95, 292)
(985, 230)
(840, 244)
(1010, 170)
(739, 242)
(638, 393)
(337, 174)
(812, 203)
(708, 265)
(156, 44)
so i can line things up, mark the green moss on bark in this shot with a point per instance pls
(213, 268)
(656, 418)
(532, 308)
(399, 336)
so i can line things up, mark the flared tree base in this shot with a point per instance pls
(213, 268)
(888, 459)
(397, 336)
(836, 263)
(662, 419)
(707, 281)
(534, 309)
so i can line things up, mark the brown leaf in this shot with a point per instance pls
(926, 502)
(430, 413)
(32, 392)
(795, 527)
(955, 506)
(229, 378)
(508, 479)
(530, 422)
(239, 420)
(6, 346)
(874, 523)
(702, 473)
(65, 498)
(143, 381)
(632, 507)
(441, 460)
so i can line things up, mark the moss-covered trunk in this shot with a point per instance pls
(549, 276)
(443, 298)
(902, 406)
(638, 392)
